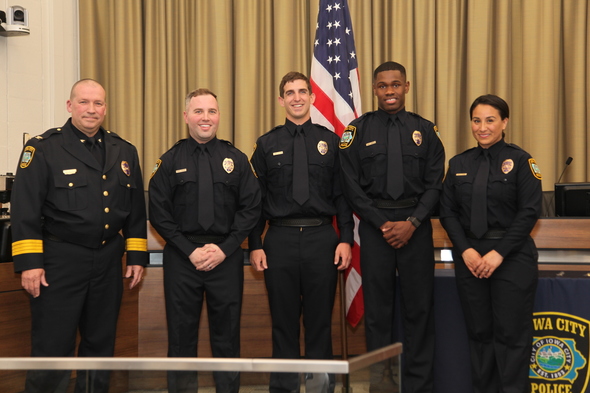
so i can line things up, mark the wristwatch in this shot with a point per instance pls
(415, 222)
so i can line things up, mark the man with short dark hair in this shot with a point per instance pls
(298, 168)
(392, 167)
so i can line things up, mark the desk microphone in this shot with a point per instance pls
(567, 163)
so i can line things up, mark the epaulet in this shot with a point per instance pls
(180, 142)
(514, 146)
(48, 133)
(111, 133)
(275, 128)
(228, 142)
(415, 114)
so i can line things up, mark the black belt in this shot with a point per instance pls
(391, 204)
(301, 222)
(206, 239)
(491, 234)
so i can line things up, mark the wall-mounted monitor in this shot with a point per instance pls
(572, 199)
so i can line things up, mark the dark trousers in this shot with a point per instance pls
(498, 314)
(415, 266)
(301, 278)
(185, 289)
(84, 292)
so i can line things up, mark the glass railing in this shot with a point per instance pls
(374, 371)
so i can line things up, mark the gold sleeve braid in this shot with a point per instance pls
(27, 246)
(135, 244)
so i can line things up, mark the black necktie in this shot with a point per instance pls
(93, 146)
(479, 203)
(300, 171)
(205, 203)
(395, 169)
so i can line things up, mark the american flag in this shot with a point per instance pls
(335, 83)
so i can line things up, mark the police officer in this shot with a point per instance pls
(76, 188)
(204, 201)
(392, 166)
(298, 168)
(494, 254)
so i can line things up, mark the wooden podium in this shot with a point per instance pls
(142, 322)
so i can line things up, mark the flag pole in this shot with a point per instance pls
(346, 388)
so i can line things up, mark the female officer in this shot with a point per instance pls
(490, 203)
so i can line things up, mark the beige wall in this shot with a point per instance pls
(36, 73)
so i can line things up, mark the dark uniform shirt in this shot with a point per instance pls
(364, 163)
(272, 161)
(61, 189)
(514, 195)
(174, 195)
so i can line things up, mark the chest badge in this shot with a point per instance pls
(535, 168)
(347, 137)
(228, 165)
(417, 137)
(125, 168)
(27, 157)
(507, 166)
(322, 147)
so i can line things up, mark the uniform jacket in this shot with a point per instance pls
(514, 195)
(364, 163)
(174, 195)
(60, 189)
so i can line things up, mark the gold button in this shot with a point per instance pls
(106, 226)
(104, 177)
(71, 184)
(103, 242)
(106, 210)
(106, 193)
(128, 185)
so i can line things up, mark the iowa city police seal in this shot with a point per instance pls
(559, 357)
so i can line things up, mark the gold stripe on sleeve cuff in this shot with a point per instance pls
(27, 246)
(135, 244)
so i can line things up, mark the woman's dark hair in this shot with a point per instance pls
(493, 101)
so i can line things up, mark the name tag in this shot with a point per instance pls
(460, 174)
(370, 143)
(69, 171)
(277, 153)
(181, 170)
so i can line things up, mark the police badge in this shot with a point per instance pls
(507, 166)
(228, 165)
(417, 137)
(322, 147)
(125, 168)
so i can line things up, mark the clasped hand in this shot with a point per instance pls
(397, 233)
(206, 258)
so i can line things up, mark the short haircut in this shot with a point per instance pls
(291, 77)
(196, 93)
(389, 66)
(84, 80)
(493, 101)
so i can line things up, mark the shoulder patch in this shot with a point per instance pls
(27, 157)
(156, 167)
(347, 137)
(535, 168)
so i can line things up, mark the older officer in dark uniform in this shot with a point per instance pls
(491, 201)
(76, 188)
(299, 172)
(392, 166)
(204, 201)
